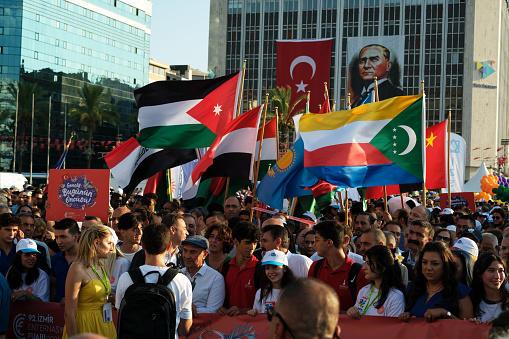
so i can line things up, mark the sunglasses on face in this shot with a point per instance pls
(272, 313)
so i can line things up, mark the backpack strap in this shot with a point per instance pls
(318, 265)
(352, 280)
(258, 274)
(136, 276)
(224, 268)
(168, 276)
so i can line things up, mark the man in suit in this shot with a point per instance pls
(375, 61)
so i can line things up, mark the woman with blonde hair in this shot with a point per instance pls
(87, 287)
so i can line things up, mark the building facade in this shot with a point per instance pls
(63, 44)
(445, 42)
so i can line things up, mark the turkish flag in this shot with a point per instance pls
(436, 169)
(305, 66)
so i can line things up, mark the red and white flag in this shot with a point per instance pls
(232, 154)
(305, 66)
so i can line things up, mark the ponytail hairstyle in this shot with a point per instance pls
(86, 249)
(381, 261)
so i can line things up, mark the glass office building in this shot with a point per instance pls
(443, 42)
(62, 45)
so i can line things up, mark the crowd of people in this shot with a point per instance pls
(419, 261)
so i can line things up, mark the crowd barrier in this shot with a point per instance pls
(40, 320)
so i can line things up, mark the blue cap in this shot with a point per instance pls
(198, 241)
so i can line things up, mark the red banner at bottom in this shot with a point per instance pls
(40, 320)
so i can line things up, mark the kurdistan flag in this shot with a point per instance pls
(186, 114)
(380, 143)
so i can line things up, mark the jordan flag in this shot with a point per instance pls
(269, 147)
(186, 114)
(131, 163)
(232, 154)
(305, 66)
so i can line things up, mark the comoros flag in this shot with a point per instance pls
(375, 144)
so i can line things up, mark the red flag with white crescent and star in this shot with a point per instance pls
(305, 66)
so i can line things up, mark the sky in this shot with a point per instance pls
(180, 32)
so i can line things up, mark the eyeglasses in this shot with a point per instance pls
(496, 218)
(272, 313)
(444, 239)
(457, 214)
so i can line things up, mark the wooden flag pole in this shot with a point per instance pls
(333, 108)
(239, 105)
(449, 159)
(326, 93)
(260, 146)
(277, 134)
(308, 98)
(402, 201)
(346, 207)
(294, 206)
(340, 194)
(424, 165)
(348, 100)
(384, 187)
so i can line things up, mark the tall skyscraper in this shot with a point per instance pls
(460, 49)
(61, 45)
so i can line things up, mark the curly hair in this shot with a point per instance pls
(450, 292)
(224, 233)
(481, 265)
(382, 261)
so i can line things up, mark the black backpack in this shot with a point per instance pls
(352, 276)
(148, 310)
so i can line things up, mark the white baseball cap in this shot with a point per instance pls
(27, 246)
(310, 215)
(447, 211)
(467, 245)
(275, 257)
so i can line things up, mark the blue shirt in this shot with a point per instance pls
(435, 301)
(6, 259)
(5, 304)
(59, 269)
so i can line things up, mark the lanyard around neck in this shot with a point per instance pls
(370, 302)
(104, 280)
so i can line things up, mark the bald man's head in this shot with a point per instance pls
(273, 221)
(311, 317)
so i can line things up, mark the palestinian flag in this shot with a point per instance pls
(232, 154)
(131, 163)
(213, 190)
(186, 114)
(269, 147)
(323, 193)
(375, 144)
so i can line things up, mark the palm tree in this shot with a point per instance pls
(92, 111)
(281, 97)
(26, 92)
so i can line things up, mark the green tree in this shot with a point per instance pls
(92, 110)
(26, 91)
(281, 97)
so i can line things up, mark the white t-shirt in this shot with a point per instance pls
(271, 299)
(39, 288)
(354, 256)
(299, 264)
(393, 306)
(180, 286)
(129, 256)
(491, 310)
(121, 266)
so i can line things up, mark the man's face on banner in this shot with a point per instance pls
(372, 63)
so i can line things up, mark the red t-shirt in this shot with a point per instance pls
(240, 285)
(338, 280)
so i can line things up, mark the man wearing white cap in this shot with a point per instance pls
(467, 245)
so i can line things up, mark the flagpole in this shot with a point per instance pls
(168, 185)
(257, 170)
(346, 207)
(15, 133)
(449, 159)
(348, 100)
(333, 105)
(65, 128)
(384, 186)
(294, 205)
(402, 201)
(326, 93)
(239, 104)
(49, 129)
(277, 135)
(31, 140)
(424, 165)
(340, 194)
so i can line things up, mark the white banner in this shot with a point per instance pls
(457, 170)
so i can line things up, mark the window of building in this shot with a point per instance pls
(1, 50)
(37, 17)
(137, 12)
(115, 3)
(57, 42)
(56, 60)
(1, 30)
(1, 11)
(58, 24)
(36, 55)
(63, 62)
(64, 44)
(37, 36)
(1, 67)
(134, 81)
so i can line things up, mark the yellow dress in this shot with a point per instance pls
(89, 313)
